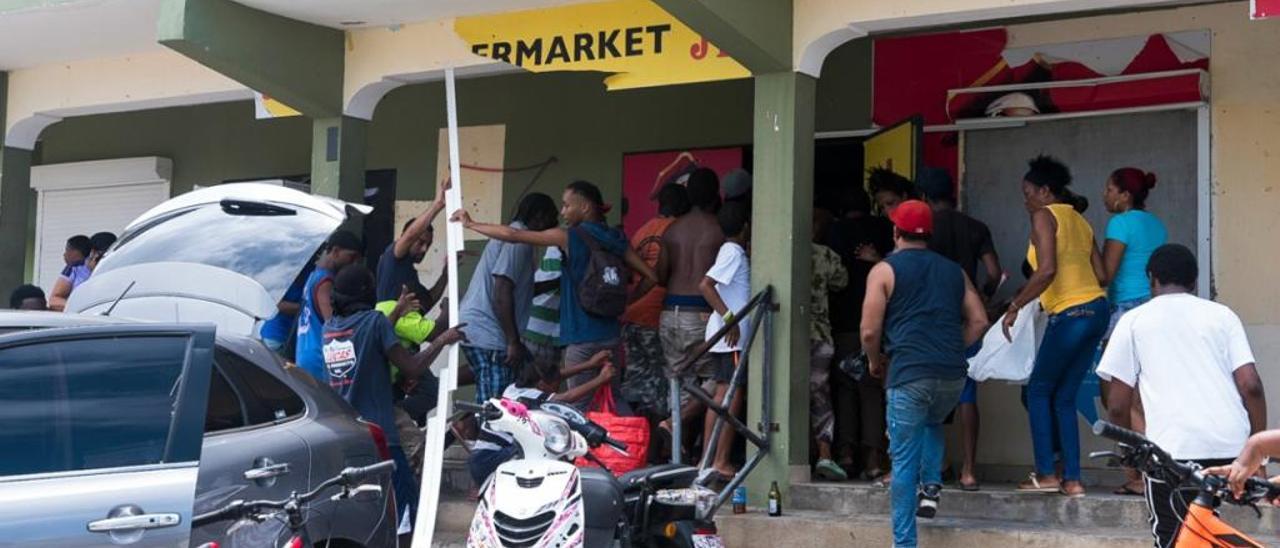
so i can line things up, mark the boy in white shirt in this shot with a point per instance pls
(727, 288)
(1200, 388)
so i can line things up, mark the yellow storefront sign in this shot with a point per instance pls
(638, 42)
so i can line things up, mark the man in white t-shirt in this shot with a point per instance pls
(727, 288)
(1200, 389)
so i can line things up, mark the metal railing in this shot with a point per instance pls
(759, 310)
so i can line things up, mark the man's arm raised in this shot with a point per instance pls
(558, 237)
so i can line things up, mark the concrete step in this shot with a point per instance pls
(807, 527)
(812, 528)
(1097, 510)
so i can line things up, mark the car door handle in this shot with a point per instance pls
(133, 523)
(267, 472)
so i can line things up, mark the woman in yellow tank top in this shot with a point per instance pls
(1067, 269)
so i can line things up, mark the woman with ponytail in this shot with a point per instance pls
(1133, 234)
(1067, 268)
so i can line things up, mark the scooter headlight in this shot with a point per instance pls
(558, 437)
(701, 498)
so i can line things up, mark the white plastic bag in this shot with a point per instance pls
(1004, 360)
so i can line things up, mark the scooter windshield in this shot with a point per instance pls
(568, 413)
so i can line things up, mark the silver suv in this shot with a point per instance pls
(107, 440)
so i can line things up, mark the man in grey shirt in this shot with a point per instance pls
(497, 302)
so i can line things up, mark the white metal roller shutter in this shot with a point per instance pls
(65, 213)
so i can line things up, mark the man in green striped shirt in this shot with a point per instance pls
(542, 335)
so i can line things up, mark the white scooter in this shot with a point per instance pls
(540, 499)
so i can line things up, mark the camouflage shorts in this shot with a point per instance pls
(643, 383)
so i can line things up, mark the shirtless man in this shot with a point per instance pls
(689, 248)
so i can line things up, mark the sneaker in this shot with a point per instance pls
(827, 469)
(927, 505)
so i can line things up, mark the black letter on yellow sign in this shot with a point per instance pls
(582, 47)
(657, 31)
(633, 42)
(479, 49)
(606, 43)
(557, 50)
(529, 51)
(502, 51)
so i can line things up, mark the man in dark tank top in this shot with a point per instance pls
(920, 313)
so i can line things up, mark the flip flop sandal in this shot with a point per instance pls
(829, 471)
(1063, 491)
(883, 481)
(971, 487)
(1034, 486)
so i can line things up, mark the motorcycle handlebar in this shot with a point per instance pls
(468, 407)
(615, 444)
(487, 411)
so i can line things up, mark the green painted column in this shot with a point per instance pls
(756, 33)
(338, 157)
(297, 63)
(16, 199)
(782, 215)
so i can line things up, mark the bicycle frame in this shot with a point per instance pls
(1202, 528)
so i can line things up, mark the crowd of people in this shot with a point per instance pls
(80, 257)
(904, 287)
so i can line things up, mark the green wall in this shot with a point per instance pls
(207, 143)
(568, 115)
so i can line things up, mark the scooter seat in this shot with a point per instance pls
(659, 477)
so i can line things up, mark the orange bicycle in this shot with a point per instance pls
(1202, 527)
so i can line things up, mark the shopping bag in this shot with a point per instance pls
(1010, 360)
(633, 431)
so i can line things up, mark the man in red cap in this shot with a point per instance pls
(925, 310)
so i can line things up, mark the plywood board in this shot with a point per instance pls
(480, 146)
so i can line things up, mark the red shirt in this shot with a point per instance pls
(648, 243)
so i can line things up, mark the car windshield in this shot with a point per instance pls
(269, 243)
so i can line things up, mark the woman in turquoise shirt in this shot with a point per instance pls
(1132, 235)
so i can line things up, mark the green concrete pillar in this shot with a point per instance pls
(782, 214)
(297, 63)
(338, 157)
(16, 199)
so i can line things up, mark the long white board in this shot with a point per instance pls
(429, 498)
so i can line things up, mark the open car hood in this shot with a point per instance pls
(224, 254)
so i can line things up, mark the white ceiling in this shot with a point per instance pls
(53, 31)
(333, 13)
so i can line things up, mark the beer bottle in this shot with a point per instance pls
(775, 500)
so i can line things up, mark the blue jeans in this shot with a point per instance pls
(915, 412)
(406, 489)
(484, 462)
(1062, 361)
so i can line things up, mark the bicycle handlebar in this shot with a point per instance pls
(348, 477)
(1255, 488)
